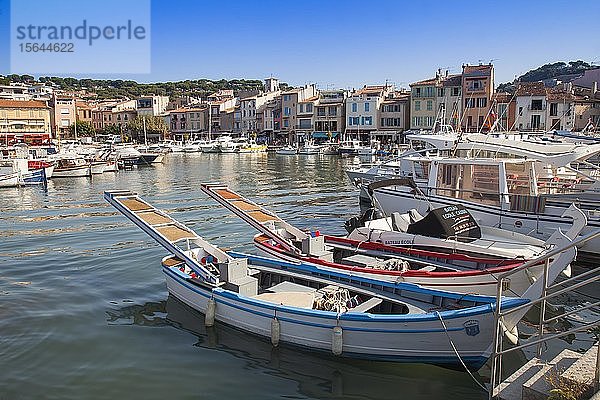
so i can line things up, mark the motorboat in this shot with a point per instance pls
(71, 166)
(252, 147)
(288, 150)
(349, 147)
(334, 312)
(450, 229)
(309, 148)
(513, 194)
(194, 147)
(441, 269)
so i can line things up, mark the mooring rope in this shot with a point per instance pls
(457, 354)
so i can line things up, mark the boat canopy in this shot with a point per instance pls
(447, 222)
(324, 135)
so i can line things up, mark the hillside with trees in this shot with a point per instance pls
(111, 89)
(547, 71)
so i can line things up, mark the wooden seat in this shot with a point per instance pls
(292, 299)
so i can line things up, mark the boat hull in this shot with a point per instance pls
(403, 338)
(482, 282)
(9, 180)
(72, 172)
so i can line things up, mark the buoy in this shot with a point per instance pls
(209, 317)
(512, 335)
(275, 331)
(336, 340)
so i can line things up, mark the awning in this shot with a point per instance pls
(324, 135)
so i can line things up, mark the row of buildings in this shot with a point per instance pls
(467, 101)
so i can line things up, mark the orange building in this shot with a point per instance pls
(477, 89)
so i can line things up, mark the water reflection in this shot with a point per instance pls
(317, 375)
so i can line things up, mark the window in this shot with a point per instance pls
(65, 122)
(553, 109)
(309, 107)
(480, 123)
(368, 120)
(332, 111)
(286, 97)
(286, 111)
(286, 123)
(440, 92)
(469, 103)
(429, 105)
(382, 121)
(417, 92)
(536, 105)
(417, 105)
(354, 107)
(482, 102)
(64, 111)
(367, 105)
(301, 108)
(455, 91)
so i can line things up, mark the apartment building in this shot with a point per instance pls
(330, 114)
(289, 107)
(393, 117)
(531, 106)
(26, 121)
(362, 111)
(477, 91)
(152, 105)
(186, 123)
(424, 107)
(63, 115)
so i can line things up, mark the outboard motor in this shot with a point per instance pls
(357, 222)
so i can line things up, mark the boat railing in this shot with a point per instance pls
(549, 291)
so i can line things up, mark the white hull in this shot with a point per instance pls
(72, 172)
(384, 337)
(9, 180)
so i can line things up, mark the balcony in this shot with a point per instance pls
(304, 126)
(536, 108)
(540, 127)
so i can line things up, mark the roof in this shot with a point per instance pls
(478, 70)
(310, 99)
(22, 104)
(184, 110)
(558, 94)
(502, 97)
(371, 90)
(453, 80)
(531, 89)
(431, 81)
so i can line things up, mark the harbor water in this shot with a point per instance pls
(84, 311)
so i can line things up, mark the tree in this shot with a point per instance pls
(111, 130)
(154, 126)
(84, 128)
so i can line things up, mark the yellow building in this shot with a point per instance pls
(24, 121)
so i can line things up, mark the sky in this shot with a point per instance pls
(349, 43)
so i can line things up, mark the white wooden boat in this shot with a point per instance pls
(9, 179)
(71, 167)
(287, 151)
(451, 271)
(503, 193)
(292, 303)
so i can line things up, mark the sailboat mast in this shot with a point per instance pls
(145, 135)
